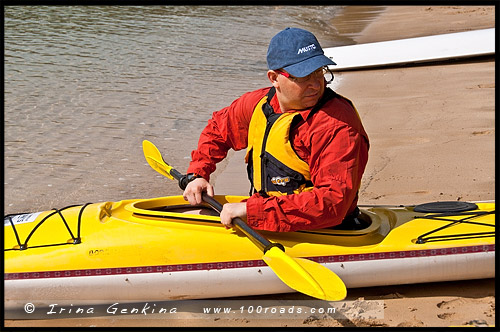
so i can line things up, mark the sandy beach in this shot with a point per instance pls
(432, 138)
(431, 130)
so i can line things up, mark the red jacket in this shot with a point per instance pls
(333, 142)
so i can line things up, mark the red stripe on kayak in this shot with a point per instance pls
(403, 254)
(244, 264)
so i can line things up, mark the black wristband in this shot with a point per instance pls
(183, 182)
(192, 176)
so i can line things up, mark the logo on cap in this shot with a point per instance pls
(306, 49)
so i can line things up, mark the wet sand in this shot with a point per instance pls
(432, 138)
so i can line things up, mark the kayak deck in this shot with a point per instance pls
(397, 228)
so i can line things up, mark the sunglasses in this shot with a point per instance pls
(321, 72)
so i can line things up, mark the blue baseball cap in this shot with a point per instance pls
(297, 51)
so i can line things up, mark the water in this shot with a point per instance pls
(84, 85)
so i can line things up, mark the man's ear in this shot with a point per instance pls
(273, 78)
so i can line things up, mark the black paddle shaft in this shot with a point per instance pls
(260, 241)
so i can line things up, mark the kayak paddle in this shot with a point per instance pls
(302, 275)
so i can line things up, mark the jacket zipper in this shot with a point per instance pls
(263, 157)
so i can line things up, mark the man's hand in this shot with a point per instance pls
(194, 190)
(193, 194)
(232, 210)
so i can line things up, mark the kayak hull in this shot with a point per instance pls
(131, 251)
(458, 45)
(198, 284)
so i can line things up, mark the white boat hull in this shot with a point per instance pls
(229, 279)
(413, 50)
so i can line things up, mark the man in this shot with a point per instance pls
(306, 146)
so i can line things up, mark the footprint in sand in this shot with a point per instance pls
(445, 315)
(480, 133)
(450, 304)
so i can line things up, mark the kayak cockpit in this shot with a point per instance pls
(175, 208)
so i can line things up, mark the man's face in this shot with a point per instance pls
(298, 94)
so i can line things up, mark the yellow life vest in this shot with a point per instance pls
(274, 168)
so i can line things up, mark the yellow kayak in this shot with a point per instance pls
(163, 249)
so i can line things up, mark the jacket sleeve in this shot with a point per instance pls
(227, 129)
(337, 159)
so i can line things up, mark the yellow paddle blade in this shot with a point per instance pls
(333, 287)
(155, 160)
(306, 276)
